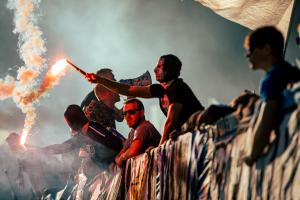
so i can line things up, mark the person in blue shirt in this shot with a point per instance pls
(264, 49)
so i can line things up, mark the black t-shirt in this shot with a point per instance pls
(88, 99)
(177, 92)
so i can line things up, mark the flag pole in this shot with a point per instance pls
(289, 28)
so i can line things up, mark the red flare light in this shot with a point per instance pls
(24, 137)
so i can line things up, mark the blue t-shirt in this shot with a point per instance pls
(277, 79)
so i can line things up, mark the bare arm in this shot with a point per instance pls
(121, 152)
(118, 158)
(132, 151)
(172, 118)
(266, 122)
(124, 89)
(58, 148)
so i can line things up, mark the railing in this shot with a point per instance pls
(200, 165)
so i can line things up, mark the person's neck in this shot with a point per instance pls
(167, 84)
(269, 63)
(140, 122)
(85, 128)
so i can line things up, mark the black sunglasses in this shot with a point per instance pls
(130, 112)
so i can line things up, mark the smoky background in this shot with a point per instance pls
(128, 37)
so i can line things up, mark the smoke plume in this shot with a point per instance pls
(24, 89)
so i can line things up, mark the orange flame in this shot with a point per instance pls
(24, 137)
(59, 66)
(23, 89)
(50, 80)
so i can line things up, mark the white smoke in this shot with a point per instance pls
(24, 89)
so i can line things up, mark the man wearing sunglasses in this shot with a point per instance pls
(176, 99)
(142, 134)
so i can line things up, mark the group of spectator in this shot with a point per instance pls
(264, 48)
(93, 124)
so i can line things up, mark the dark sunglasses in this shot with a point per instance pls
(130, 112)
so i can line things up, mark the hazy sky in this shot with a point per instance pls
(128, 36)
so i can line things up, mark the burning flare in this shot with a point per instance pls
(59, 67)
(24, 89)
(24, 136)
(50, 80)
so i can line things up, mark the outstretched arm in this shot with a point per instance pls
(172, 119)
(124, 89)
(65, 147)
(266, 122)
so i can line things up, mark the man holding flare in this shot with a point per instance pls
(176, 99)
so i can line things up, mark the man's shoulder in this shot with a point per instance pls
(75, 141)
(277, 79)
(146, 131)
(282, 67)
(145, 125)
(180, 85)
(88, 98)
(292, 72)
(180, 81)
(179, 90)
(282, 72)
(79, 138)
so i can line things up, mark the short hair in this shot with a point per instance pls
(13, 138)
(137, 101)
(75, 117)
(103, 71)
(172, 66)
(267, 35)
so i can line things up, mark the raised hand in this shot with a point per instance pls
(91, 77)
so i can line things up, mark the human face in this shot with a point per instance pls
(133, 115)
(111, 76)
(255, 55)
(159, 70)
(115, 97)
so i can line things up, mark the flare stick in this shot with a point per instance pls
(77, 68)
